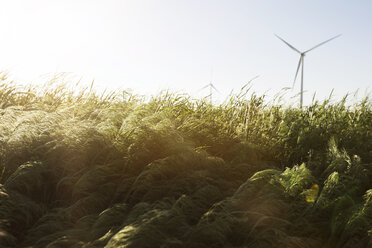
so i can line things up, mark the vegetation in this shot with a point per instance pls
(78, 169)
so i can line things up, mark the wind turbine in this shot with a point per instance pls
(211, 87)
(301, 62)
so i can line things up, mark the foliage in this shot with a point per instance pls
(79, 169)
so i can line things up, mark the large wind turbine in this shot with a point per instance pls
(301, 62)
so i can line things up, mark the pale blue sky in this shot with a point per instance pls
(149, 45)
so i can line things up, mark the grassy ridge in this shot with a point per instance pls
(85, 170)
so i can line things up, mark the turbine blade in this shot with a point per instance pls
(323, 43)
(208, 85)
(288, 44)
(298, 69)
(215, 88)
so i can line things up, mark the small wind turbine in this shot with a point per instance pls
(301, 62)
(211, 87)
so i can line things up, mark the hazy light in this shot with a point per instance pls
(152, 45)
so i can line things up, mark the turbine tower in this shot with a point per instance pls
(301, 62)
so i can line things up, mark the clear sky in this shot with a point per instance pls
(149, 45)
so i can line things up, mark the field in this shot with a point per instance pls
(82, 169)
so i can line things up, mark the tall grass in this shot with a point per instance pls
(82, 169)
